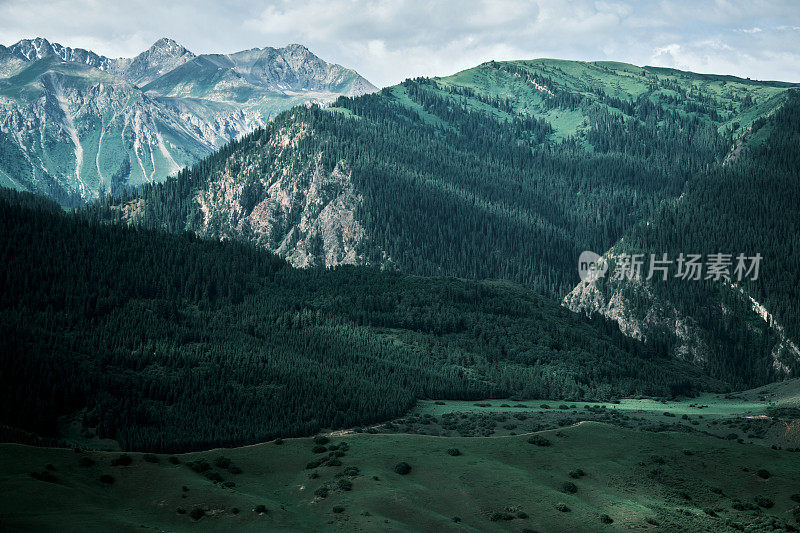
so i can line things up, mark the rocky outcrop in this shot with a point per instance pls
(640, 313)
(297, 209)
(612, 298)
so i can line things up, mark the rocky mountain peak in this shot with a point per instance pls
(163, 56)
(40, 48)
(166, 47)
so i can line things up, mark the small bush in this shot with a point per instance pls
(402, 468)
(766, 503)
(321, 439)
(319, 449)
(345, 484)
(538, 440)
(333, 461)
(107, 479)
(569, 487)
(764, 474)
(174, 460)
(122, 460)
(222, 462)
(45, 476)
(496, 517)
(456, 519)
(213, 476)
(322, 492)
(744, 506)
(351, 471)
(233, 469)
(278, 441)
(314, 464)
(577, 473)
(454, 452)
(235, 510)
(795, 497)
(522, 515)
(338, 509)
(604, 518)
(563, 508)
(261, 509)
(180, 510)
(199, 466)
(197, 513)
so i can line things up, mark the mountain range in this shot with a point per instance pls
(510, 170)
(75, 125)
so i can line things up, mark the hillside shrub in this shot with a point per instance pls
(402, 468)
(538, 440)
(569, 487)
(122, 460)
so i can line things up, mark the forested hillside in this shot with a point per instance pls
(511, 170)
(747, 205)
(508, 170)
(170, 342)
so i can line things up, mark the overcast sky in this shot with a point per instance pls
(388, 41)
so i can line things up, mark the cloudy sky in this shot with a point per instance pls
(389, 40)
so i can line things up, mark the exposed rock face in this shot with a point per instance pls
(786, 349)
(613, 301)
(74, 124)
(300, 211)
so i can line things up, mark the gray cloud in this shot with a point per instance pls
(387, 41)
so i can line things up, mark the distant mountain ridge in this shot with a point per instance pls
(75, 124)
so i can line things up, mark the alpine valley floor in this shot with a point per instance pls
(733, 471)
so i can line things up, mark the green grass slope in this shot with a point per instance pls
(588, 474)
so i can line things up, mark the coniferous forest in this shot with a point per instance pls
(169, 342)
